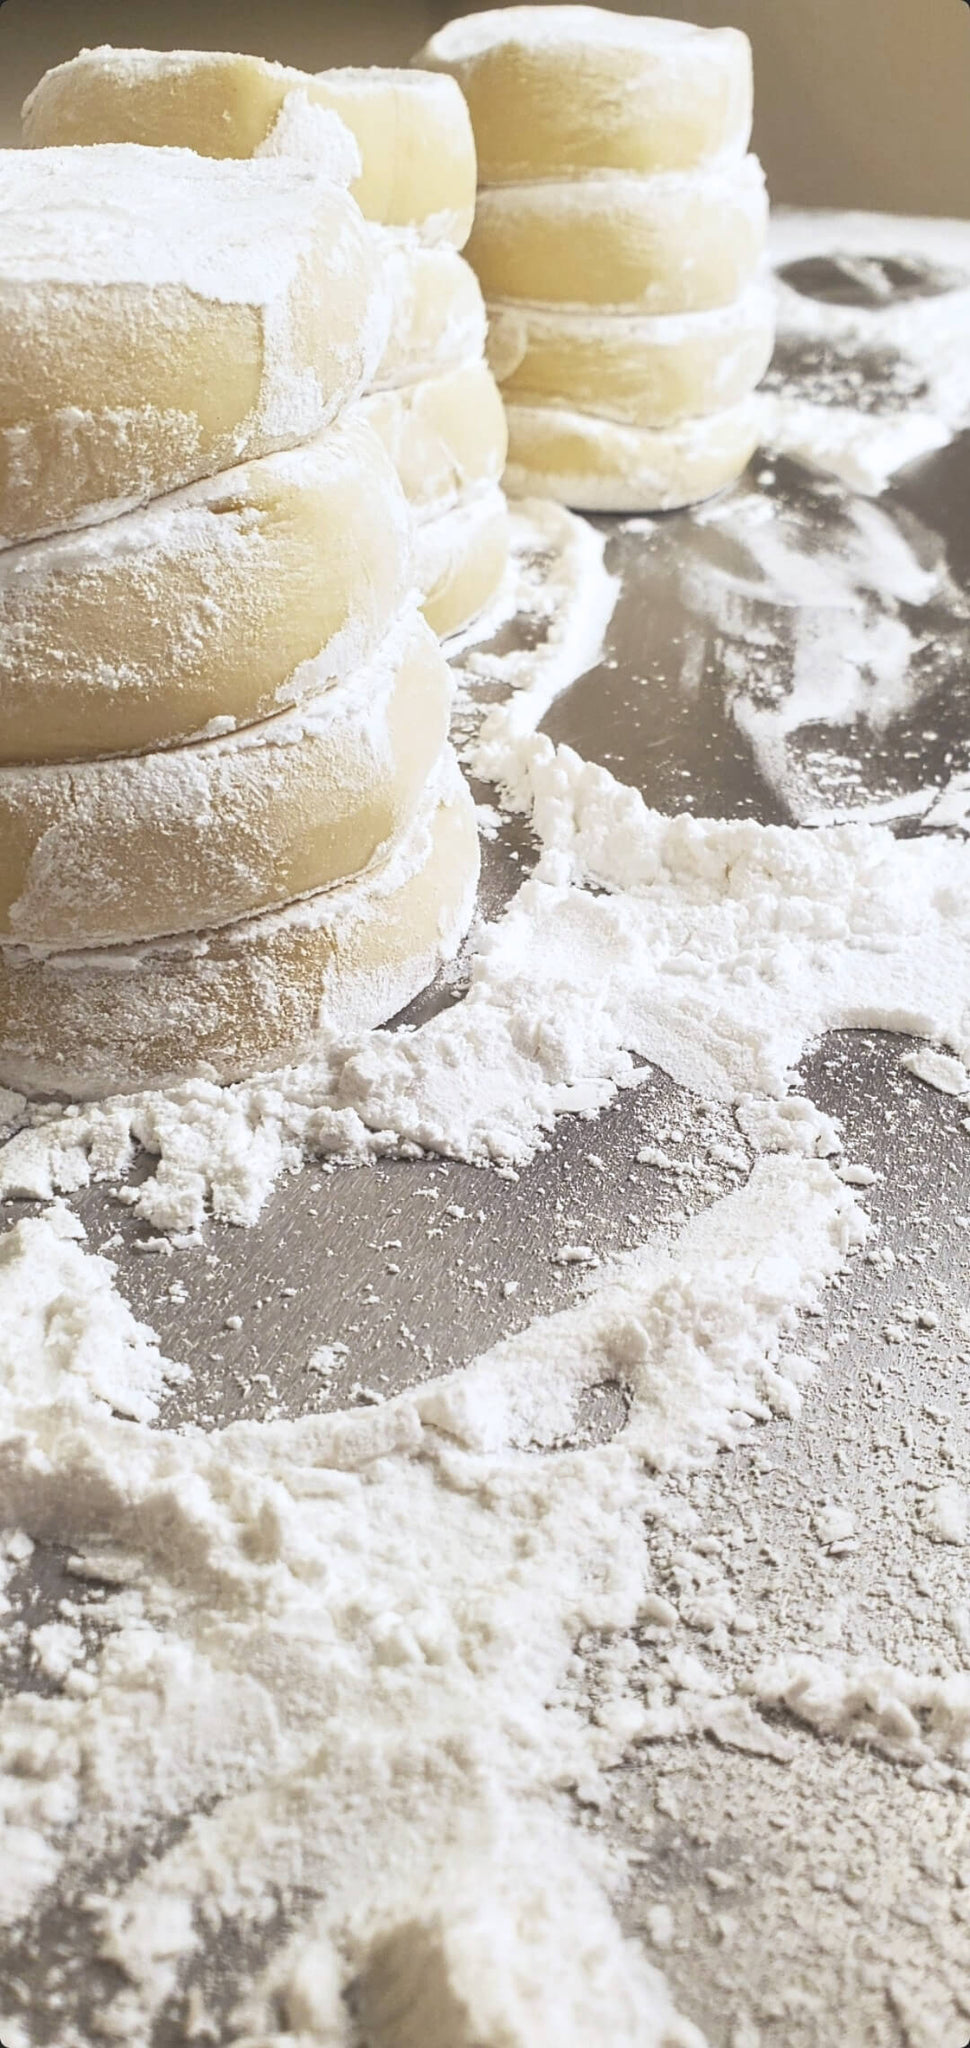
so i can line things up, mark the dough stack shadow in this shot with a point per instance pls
(618, 235)
(231, 827)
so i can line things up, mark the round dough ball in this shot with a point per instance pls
(164, 316)
(254, 995)
(647, 372)
(437, 312)
(223, 602)
(558, 90)
(413, 133)
(597, 465)
(681, 242)
(460, 559)
(102, 851)
(446, 435)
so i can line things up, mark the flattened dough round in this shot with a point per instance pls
(437, 312)
(223, 601)
(646, 372)
(597, 465)
(105, 851)
(558, 90)
(446, 435)
(460, 559)
(252, 995)
(412, 129)
(163, 317)
(681, 242)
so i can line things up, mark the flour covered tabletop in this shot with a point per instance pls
(552, 1495)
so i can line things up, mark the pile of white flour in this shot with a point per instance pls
(344, 1644)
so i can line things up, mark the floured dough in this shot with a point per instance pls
(597, 465)
(460, 559)
(648, 372)
(445, 435)
(681, 242)
(256, 994)
(413, 132)
(163, 316)
(223, 601)
(558, 90)
(437, 311)
(100, 851)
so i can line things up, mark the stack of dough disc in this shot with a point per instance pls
(231, 825)
(617, 240)
(433, 399)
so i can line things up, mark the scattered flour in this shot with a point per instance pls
(914, 342)
(791, 1124)
(348, 1641)
(829, 616)
(938, 1069)
(717, 950)
(912, 1718)
(947, 1517)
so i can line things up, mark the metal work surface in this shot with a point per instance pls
(779, 1936)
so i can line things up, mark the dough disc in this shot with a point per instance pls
(460, 559)
(437, 311)
(446, 435)
(557, 90)
(597, 465)
(646, 372)
(163, 317)
(222, 601)
(412, 129)
(252, 995)
(681, 242)
(103, 851)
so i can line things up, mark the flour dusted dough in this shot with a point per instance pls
(252, 995)
(412, 129)
(681, 242)
(598, 465)
(558, 90)
(460, 559)
(647, 372)
(445, 435)
(163, 316)
(129, 848)
(223, 601)
(437, 311)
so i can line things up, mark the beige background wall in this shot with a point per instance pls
(860, 102)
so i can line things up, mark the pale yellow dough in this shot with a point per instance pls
(412, 129)
(460, 559)
(125, 849)
(224, 602)
(253, 995)
(164, 316)
(677, 243)
(558, 90)
(598, 465)
(446, 436)
(646, 372)
(437, 311)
